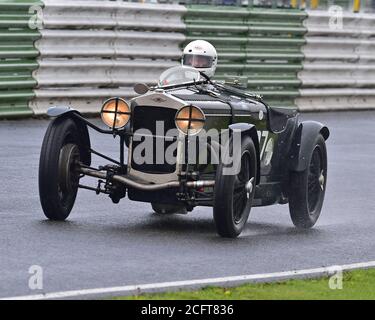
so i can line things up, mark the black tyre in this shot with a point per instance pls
(307, 188)
(234, 193)
(58, 180)
(165, 209)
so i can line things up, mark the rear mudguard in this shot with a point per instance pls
(303, 144)
(251, 131)
(67, 112)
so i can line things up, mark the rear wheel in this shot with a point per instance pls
(307, 188)
(58, 179)
(234, 193)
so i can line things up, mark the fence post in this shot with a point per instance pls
(294, 3)
(314, 4)
(356, 5)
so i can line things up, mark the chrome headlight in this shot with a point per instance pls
(190, 120)
(115, 113)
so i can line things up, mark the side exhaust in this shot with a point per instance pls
(146, 187)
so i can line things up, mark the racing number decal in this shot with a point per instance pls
(262, 136)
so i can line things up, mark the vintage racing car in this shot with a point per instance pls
(191, 142)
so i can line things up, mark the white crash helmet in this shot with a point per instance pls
(201, 55)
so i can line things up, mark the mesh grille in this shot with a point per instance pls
(146, 118)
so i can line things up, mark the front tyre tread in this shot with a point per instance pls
(56, 205)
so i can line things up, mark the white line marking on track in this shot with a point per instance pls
(194, 283)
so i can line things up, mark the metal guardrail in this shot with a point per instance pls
(347, 5)
(260, 45)
(17, 57)
(339, 66)
(91, 50)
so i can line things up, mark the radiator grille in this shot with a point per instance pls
(146, 118)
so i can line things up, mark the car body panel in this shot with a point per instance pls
(281, 141)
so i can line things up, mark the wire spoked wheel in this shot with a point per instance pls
(234, 193)
(307, 188)
(316, 179)
(243, 186)
(68, 176)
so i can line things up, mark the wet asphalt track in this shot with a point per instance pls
(104, 245)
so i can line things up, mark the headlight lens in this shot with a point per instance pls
(115, 113)
(190, 120)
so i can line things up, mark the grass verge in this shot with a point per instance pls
(356, 285)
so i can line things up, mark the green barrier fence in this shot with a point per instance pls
(258, 42)
(17, 57)
(260, 46)
(346, 5)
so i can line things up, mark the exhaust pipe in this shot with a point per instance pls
(146, 187)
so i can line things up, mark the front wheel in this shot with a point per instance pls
(234, 193)
(58, 179)
(307, 188)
